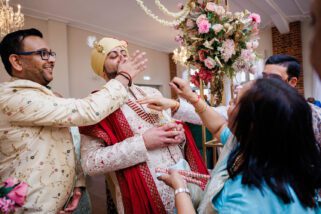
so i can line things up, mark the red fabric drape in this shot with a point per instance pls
(139, 192)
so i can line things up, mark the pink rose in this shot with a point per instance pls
(204, 26)
(210, 6)
(255, 18)
(19, 193)
(209, 63)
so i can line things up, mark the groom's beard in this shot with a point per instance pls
(112, 75)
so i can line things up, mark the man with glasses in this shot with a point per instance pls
(36, 146)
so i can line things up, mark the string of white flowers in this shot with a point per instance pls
(167, 12)
(162, 21)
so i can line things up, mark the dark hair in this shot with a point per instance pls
(12, 43)
(277, 145)
(291, 63)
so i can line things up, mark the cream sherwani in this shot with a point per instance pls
(35, 143)
(99, 159)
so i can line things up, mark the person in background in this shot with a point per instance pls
(36, 145)
(288, 69)
(270, 150)
(314, 101)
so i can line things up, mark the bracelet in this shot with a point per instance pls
(127, 76)
(194, 102)
(201, 110)
(179, 190)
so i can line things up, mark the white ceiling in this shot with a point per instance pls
(126, 20)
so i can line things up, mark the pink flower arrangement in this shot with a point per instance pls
(215, 40)
(12, 195)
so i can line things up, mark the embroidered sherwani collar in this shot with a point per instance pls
(17, 83)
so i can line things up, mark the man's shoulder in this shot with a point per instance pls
(21, 83)
(22, 86)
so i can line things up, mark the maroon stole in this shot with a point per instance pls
(138, 189)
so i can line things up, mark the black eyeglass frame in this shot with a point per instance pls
(42, 53)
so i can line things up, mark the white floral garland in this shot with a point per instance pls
(175, 22)
(167, 12)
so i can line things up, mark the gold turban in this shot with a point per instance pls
(100, 51)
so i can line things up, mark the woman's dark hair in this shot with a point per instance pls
(12, 43)
(277, 145)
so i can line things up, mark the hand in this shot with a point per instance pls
(158, 103)
(133, 65)
(159, 137)
(173, 179)
(72, 206)
(183, 89)
(181, 135)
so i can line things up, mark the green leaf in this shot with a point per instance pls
(5, 190)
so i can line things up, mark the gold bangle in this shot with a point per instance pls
(201, 110)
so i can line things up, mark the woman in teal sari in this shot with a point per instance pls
(270, 163)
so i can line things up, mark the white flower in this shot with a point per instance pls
(255, 44)
(209, 63)
(217, 28)
(219, 10)
(247, 55)
(91, 41)
(249, 45)
(211, 6)
(229, 14)
(227, 49)
(200, 18)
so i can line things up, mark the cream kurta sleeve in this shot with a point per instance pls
(38, 107)
(186, 113)
(97, 158)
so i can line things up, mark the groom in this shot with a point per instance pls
(130, 144)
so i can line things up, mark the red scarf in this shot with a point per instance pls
(138, 189)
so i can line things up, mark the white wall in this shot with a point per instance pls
(306, 35)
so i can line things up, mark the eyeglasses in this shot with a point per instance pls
(43, 53)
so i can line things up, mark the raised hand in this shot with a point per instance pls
(183, 89)
(158, 103)
(159, 137)
(133, 65)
